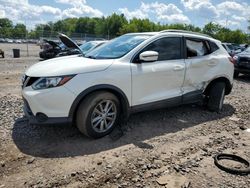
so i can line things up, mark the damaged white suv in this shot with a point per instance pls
(134, 72)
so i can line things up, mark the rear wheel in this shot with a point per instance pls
(216, 96)
(98, 114)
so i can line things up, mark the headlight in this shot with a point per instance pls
(23, 78)
(49, 82)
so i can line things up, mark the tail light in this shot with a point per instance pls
(232, 60)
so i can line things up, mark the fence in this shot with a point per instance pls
(29, 43)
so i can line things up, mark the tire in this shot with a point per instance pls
(98, 114)
(236, 74)
(221, 156)
(216, 96)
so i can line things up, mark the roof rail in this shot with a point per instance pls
(184, 31)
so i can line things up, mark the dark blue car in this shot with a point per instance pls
(242, 64)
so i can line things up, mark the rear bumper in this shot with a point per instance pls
(42, 119)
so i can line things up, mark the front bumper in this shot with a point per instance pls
(43, 119)
(48, 106)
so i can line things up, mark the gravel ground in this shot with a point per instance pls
(164, 148)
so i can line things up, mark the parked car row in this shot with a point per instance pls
(233, 48)
(18, 41)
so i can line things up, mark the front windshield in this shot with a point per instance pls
(230, 47)
(62, 46)
(87, 46)
(117, 47)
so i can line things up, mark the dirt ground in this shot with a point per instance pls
(163, 148)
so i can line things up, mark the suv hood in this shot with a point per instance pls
(67, 41)
(243, 54)
(67, 65)
(52, 43)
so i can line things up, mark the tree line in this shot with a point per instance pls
(112, 26)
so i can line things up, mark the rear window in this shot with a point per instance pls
(196, 48)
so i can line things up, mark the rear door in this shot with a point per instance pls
(200, 64)
(162, 79)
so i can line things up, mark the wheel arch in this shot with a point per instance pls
(103, 87)
(220, 79)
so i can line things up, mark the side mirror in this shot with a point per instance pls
(149, 56)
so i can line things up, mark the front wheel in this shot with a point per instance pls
(98, 114)
(216, 96)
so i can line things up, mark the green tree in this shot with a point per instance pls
(192, 28)
(138, 25)
(85, 25)
(114, 23)
(19, 31)
(211, 29)
(5, 22)
(66, 26)
(6, 27)
(248, 25)
(44, 30)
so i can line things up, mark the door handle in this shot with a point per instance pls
(178, 68)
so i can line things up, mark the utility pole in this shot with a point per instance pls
(26, 38)
(227, 22)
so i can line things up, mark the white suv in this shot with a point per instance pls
(134, 72)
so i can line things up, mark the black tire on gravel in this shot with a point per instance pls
(87, 111)
(216, 96)
(224, 156)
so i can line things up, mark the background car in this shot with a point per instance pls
(230, 48)
(66, 46)
(51, 49)
(242, 64)
(84, 48)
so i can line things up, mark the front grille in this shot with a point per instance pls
(244, 62)
(245, 59)
(28, 81)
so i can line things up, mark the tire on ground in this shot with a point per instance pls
(216, 96)
(86, 108)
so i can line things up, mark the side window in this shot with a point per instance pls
(213, 47)
(169, 48)
(196, 48)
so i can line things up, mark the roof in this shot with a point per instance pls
(172, 31)
(185, 31)
(144, 33)
(179, 32)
